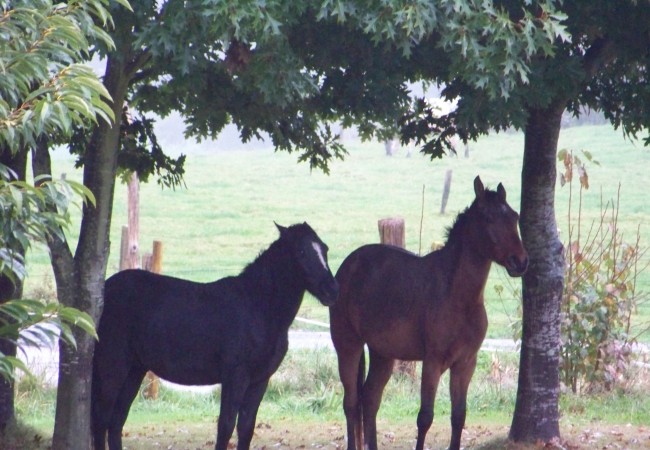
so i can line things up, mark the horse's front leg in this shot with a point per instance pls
(431, 372)
(232, 393)
(254, 393)
(248, 413)
(379, 373)
(459, 378)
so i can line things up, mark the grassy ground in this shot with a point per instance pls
(302, 409)
(224, 217)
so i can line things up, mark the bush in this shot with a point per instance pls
(600, 292)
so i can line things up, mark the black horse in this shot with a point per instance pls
(233, 331)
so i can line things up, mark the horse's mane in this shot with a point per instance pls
(453, 232)
(259, 268)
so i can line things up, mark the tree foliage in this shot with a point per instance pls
(44, 93)
(43, 90)
(599, 61)
(287, 70)
(34, 214)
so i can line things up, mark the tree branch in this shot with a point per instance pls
(601, 52)
(137, 63)
(62, 260)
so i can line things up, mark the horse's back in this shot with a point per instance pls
(172, 326)
(374, 259)
(379, 271)
(137, 286)
(385, 292)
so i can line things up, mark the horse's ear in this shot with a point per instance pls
(281, 229)
(479, 189)
(502, 192)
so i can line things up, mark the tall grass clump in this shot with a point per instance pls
(600, 290)
(307, 381)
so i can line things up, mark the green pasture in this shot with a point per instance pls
(224, 216)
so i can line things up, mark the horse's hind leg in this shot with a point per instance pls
(101, 409)
(379, 372)
(109, 374)
(248, 413)
(128, 392)
(431, 372)
(349, 352)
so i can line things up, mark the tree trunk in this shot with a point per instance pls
(8, 291)
(536, 416)
(80, 279)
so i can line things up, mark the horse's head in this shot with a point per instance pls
(499, 223)
(310, 254)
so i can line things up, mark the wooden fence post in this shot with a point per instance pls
(445, 191)
(153, 263)
(124, 248)
(133, 248)
(392, 232)
(129, 259)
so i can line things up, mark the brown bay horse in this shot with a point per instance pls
(428, 309)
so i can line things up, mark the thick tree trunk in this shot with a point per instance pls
(80, 280)
(536, 416)
(8, 291)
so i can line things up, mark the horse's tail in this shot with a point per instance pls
(361, 378)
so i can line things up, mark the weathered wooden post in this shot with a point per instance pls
(445, 191)
(124, 248)
(153, 263)
(133, 248)
(129, 259)
(392, 231)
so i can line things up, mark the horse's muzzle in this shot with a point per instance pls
(328, 291)
(516, 266)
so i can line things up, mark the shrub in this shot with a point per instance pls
(600, 292)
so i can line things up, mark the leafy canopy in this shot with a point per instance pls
(600, 61)
(43, 90)
(262, 66)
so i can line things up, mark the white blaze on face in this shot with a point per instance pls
(319, 252)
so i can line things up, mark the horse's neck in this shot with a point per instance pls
(276, 286)
(468, 271)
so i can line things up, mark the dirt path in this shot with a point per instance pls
(292, 435)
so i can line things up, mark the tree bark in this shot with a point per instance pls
(8, 291)
(536, 416)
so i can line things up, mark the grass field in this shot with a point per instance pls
(302, 409)
(224, 217)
